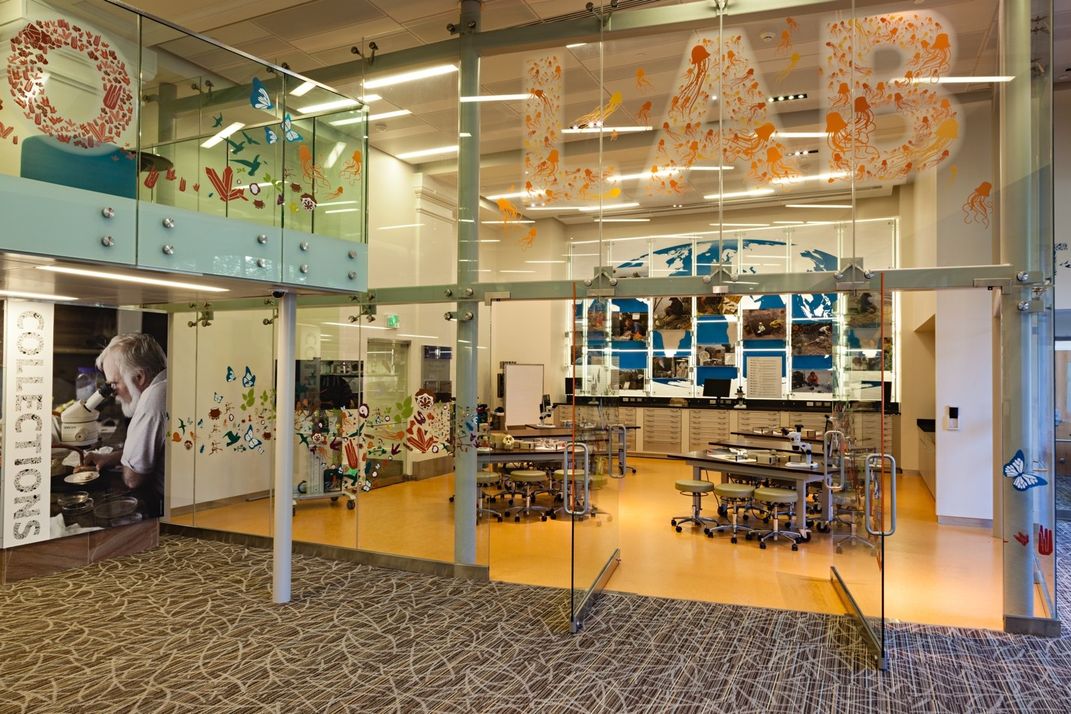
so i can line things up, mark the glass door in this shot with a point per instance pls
(860, 493)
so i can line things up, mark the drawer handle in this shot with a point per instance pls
(304, 245)
(169, 223)
(107, 241)
(304, 268)
(262, 239)
(168, 249)
(108, 212)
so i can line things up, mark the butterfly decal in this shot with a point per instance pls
(224, 184)
(249, 379)
(288, 129)
(259, 98)
(217, 397)
(270, 136)
(230, 375)
(251, 440)
(1022, 480)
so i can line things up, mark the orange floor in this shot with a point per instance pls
(933, 574)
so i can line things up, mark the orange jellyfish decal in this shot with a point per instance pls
(793, 62)
(979, 204)
(352, 168)
(697, 77)
(507, 210)
(309, 170)
(529, 238)
(644, 114)
(599, 115)
(641, 79)
(936, 58)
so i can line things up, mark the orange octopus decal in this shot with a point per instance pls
(979, 205)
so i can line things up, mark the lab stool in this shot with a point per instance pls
(779, 502)
(696, 489)
(484, 480)
(531, 481)
(848, 510)
(733, 497)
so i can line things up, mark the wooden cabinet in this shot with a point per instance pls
(661, 430)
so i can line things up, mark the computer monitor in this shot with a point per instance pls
(716, 387)
(571, 383)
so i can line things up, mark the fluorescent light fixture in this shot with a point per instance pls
(544, 262)
(428, 152)
(302, 89)
(372, 117)
(336, 151)
(496, 98)
(789, 223)
(343, 103)
(357, 324)
(739, 194)
(222, 134)
(606, 129)
(516, 271)
(33, 296)
(818, 205)
(489, 240)
(466, 220)
(575, 45)
(617, 178)
(622, 220)
(812, 177)
(515, 194)
(464, 135)
(801, 134)
(609, 206)
(740, 225)
(335, 203)
(412, 76)
(507, 223)
(554, 208)
(130, 278)
(581, 255)
(710, 168)
(400, 225)
(343, 210)
(954, 80)
(419, 337)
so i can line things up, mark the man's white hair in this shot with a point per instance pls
(135, 353)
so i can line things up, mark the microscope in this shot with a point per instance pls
(77, 424)
(801, 447)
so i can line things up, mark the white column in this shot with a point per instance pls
(284, 447)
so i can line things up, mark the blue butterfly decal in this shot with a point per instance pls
(251, 440)
(288, 129)
(270, 136)
(1021, 479)
(230, 375)
(249, 379)
(259, 97)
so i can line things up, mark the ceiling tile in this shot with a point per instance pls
(405, 12)
(348, 35)
(314, 17)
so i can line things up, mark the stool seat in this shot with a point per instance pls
(693, 486)
(528, 475)
(487, 478)
(558, 473)
(775, 495)
(733, 490)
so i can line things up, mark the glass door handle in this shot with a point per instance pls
(567, 478)
(622, 449)
(833, 440)
(871, 461)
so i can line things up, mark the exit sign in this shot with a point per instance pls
(392, 321)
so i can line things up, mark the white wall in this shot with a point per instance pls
(1061, 160)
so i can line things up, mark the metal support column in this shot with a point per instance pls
(1017, 234)
(284, 448)
(468, 207)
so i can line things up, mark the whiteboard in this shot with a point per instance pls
(523, 393)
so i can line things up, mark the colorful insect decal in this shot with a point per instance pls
(1022, 479)
(979, 204)
(259, 98)
(289, 132)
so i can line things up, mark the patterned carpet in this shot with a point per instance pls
(189, 628)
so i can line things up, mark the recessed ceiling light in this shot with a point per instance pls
(401, 78)
(818, 205)
(789, 223)
(33, 296)
(739, 194)
(302, 89)
(428, 152)
(222, 134)
(516, 271)
(952, 80)
(606, 129)
(609, 206)
(496, 98)
(343, 103)
(119, 277)
(786, 97)
(514, 194)
(419, 337)
(372, 117)
(574, 45)
(617, 178)
(343, 210)
(622, 220)
(740, 225)
(400, 226)
(710, 168)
